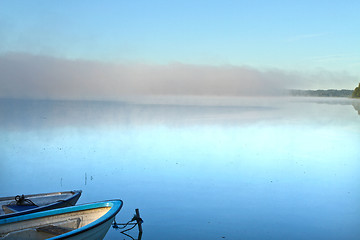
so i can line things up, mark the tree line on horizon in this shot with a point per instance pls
(322, 93)
(328, 93)
(356, 92)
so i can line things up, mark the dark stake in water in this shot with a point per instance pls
(197, 168)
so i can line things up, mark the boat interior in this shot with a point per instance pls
(9, 204)
(50, 226)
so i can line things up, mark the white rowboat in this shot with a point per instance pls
(89, 221)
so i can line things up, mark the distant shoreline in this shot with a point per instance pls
(322, 93)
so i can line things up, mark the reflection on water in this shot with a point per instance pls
(37, 114)
(356, 105)
(198, 168)
(53, 114)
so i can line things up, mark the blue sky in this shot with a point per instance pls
(288, 35)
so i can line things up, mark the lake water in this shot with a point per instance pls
(196, 167)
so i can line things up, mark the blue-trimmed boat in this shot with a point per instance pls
(20, 205)
(88, 221)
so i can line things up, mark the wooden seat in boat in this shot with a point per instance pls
(54, 230)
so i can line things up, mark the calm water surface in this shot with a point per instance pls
(198, 168)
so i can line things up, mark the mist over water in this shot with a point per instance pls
(32, 76)
(197, 167)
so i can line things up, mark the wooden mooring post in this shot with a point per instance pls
(139, 221)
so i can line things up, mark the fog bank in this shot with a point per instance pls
(44, 77)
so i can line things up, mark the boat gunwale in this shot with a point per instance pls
(115, 206)
(40, 194)
(75, 194)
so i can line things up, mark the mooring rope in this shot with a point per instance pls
(138, 223)
(116, 225)
(20, 200)
(135, 218)
(135, 224)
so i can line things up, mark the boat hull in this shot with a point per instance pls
(89, 221)
(52, 201)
